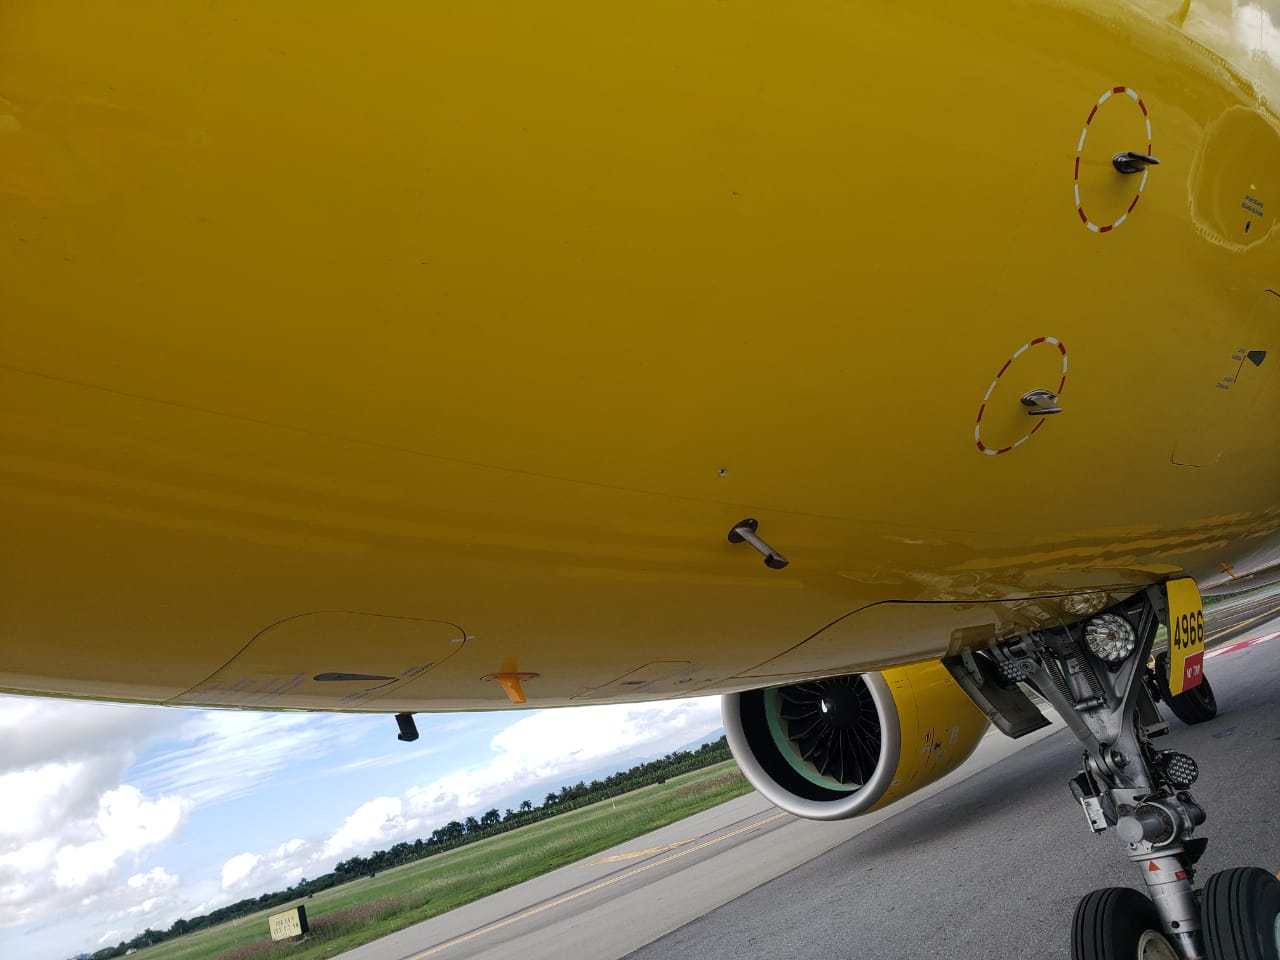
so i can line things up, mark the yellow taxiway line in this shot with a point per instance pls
(1241, 626)
(633, 854)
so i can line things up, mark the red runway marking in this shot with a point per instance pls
(1241, 645)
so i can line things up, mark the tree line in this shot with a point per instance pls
(450, 836)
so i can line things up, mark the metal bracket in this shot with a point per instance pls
(745, 531)
(1005, 704)
(1089, 797)
(1130, 162)
(408, 728)
(1041, 402)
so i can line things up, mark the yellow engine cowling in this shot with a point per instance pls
(842, 746)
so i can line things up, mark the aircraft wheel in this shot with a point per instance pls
(1118, 923)
(1241, 915)
(1196, 705)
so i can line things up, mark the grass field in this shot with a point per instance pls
(363, 910)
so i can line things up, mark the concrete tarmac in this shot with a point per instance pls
(987, 863)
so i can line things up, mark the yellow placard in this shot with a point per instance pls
(1186, 635)
(291, 923)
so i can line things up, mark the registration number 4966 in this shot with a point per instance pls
(1186, 635)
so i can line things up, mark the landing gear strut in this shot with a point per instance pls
(1094, 674)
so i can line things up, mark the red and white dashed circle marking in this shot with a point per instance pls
(977, 427)
(1084, 217)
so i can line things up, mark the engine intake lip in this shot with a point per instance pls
(751, 740)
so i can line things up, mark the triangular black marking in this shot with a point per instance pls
(1256, 357)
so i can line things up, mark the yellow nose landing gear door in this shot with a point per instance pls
(1186, 636)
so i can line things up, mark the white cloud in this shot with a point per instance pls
(375, 823)
(42, 875)
(226, 753)
(372, 824)
(72, 828)
(33, 801)
(68, 826)
(153, 881)
(247, 874)
(551, 747)
(35, 732)
(126, 824)
(48, 875)
(150, 892)
(237, 869)
(34, 858)
(547, 749)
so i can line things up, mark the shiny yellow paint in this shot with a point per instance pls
(410, 341)
(941, 727)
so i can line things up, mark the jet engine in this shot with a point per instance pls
(842, 746)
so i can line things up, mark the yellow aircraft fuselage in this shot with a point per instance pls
(405, 345)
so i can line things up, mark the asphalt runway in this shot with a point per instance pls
(988, 863)
(993, 867)
(1243, 616)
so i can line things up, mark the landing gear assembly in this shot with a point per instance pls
(1094, 674)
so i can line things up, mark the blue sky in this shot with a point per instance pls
(114, 818)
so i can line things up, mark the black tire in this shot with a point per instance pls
(1239, 912)
(1196, 705)
(1110, 924)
